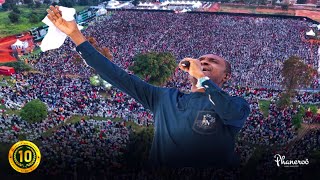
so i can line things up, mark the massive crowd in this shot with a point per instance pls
(88, 144)
(256, 48)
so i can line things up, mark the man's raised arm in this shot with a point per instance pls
(143, 92)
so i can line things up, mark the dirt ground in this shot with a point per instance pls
(315, 15)
(275, 11)
(312, 14)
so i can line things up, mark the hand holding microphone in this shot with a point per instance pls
(191, 66)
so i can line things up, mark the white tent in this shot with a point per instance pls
(17, 45)
(113, 3)
(25, 44)
(101, 11)
(183, 10)
(310, 33)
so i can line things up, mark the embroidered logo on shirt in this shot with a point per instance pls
(205, 122)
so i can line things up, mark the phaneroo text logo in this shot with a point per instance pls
(24, 156)
(281, 161)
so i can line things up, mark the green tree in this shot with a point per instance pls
(94, 2)
(302, 110)
(34, 111)
(14, 17)
(296, 74)
(95, 80)
(28, 1)
(6, 6)
(47, 2)
(155, 68)
(284, 100)
(38, 4)
(83, 2)
(19, 66)
(297, 119)
(313, 109)
(9, 4)
(16, 10)
(33, 18)
(54, 4)
(66, 3)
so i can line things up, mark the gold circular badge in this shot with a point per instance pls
(24, 156)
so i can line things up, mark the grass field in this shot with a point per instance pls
(264, 107)
(8, 79)
(36, 52)
(77, 118)
(254, 10)
(9, 111)
(7, 28)
(235, 9)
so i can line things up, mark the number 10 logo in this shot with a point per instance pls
(24, 156)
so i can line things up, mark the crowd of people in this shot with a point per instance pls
(277, 128)
(255, 46)
(89, 144)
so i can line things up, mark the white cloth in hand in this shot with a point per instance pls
(55, 38)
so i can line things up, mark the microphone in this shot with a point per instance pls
(185, 63)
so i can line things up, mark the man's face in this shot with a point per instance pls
(214, 67)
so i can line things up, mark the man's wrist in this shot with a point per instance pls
(77, 37)
(201, 80)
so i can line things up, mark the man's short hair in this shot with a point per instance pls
(228, 67)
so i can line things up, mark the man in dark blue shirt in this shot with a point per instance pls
(191, 130)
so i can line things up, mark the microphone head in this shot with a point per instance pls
(185, 63)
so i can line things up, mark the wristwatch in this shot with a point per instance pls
(201, 80)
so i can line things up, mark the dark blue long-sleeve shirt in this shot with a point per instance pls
(191, 130)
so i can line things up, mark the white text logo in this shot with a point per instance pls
(281, 160)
